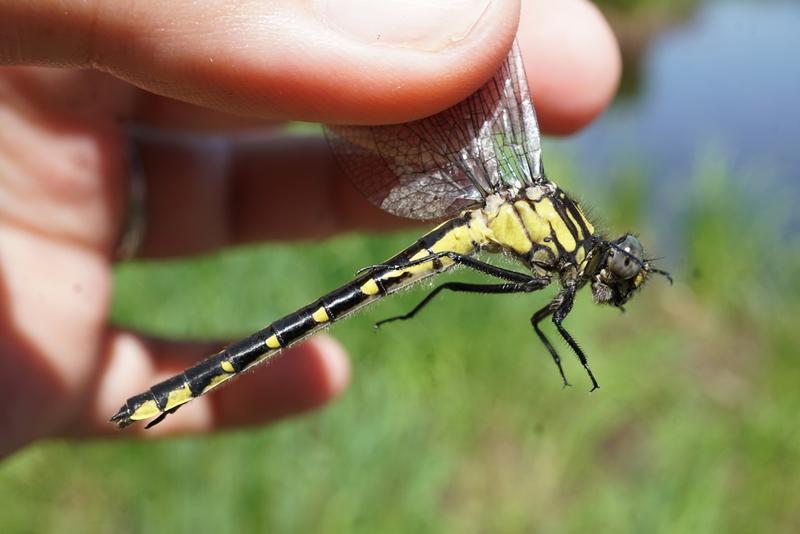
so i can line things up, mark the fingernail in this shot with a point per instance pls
(422, 24)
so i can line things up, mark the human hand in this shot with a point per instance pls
(184, 66)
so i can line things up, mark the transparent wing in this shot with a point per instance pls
(437, 166)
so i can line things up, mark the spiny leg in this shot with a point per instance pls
(464, 261)
(461, 287)
(567, 299)
(535, 320)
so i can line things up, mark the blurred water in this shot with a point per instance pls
(724, 85)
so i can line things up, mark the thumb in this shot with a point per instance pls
(355, 61)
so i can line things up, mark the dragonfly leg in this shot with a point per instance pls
(464, 261)
(532, 284)
(566, 299)
(535, 320)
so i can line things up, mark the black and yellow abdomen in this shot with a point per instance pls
(460, 235)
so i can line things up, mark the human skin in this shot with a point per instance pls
(76, 74)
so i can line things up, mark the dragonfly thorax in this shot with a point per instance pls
(541, 226)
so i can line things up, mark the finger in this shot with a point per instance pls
(569, 50)
(328, 60)
(572, 61)
(169, 114)
(53, 302)
(300, 379)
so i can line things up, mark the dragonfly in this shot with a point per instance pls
(478, 165)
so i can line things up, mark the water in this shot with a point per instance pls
(723, 85)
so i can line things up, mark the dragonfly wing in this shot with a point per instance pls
(436, 166)
(400, 171)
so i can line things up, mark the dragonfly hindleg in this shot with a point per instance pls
(532, 284)
(465, 261)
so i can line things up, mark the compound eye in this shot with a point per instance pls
(622, 261)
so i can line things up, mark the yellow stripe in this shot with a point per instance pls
(546, 210)
(370, 288)
(217, 380)
(537, 227)
(178, 396)
(273, 343)
(459, 240)
(227, 366)
(147, 410)
(420, 268)
(575, 224)
(261, 359)
(585, 220)
(321, 316)
(508, 230)
(580, 255)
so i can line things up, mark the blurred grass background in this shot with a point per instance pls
(458, 422)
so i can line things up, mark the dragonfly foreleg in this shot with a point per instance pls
(565, 301)
(532, 284)
(535, 320)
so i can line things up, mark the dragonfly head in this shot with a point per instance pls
(622, 270)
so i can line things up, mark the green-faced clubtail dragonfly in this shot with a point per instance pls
(479, 163)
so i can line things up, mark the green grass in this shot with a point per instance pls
(458, 422)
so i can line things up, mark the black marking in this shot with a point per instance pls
(199, 376)
(562, 252)
(383, 288)
(241, 354)
(296, 325)
(347, 298)
(131, 405)
(572, 207)
(162, 390)
(558, 204)
(524, 227)
(281, 341)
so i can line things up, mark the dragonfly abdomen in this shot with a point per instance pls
(455, 235)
